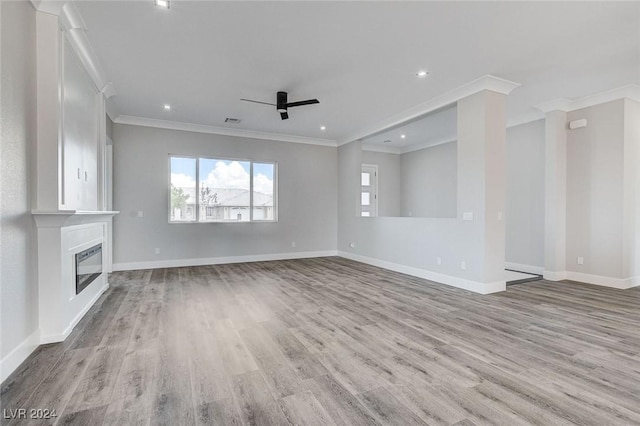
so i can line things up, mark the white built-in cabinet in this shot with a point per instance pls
(79, 134)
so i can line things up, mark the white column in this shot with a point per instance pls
(48, 155)
(555, 195)
(481, 184)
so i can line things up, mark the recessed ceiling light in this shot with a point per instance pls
(323, 128)
(162, 3)
(403, 136)
(422, 73)
(166, 107)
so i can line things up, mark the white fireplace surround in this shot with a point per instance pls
(62, 234)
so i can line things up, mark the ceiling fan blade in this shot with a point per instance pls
(284, 115)
(301, 103)
(258, 102)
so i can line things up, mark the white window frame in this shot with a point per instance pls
(197, 204)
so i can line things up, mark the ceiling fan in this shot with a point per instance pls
(282, 105)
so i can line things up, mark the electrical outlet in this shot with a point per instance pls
(140, 213)
(499, 215)
(463, 265)
(439, 260)
(157, 250)
(293, 243)
(467, 216)
(352, 245)
(580, 260)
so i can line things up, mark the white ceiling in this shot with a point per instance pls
(358, 58)
(433, 129)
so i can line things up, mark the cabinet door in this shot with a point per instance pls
(79, 134)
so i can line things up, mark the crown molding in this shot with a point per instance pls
(52, 7)
(487, 82)
(426, 145)
(75, 28)
(631, 91)
(406, 149)
(225, 131)
(381, 148)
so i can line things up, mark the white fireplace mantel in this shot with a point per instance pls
(61, 235)
(60, 218)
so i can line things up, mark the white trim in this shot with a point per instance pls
(554, 275)
(487, 82)
(474, 286)
(13, 359)
(76, 30)
(177, 263)
(619, 283)
(418, 147)
(54, 338)
(381, 148)
(538, 270)
(52, 7)
(631, 91)
(202, 128)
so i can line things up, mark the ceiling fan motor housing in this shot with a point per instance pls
(281, 102)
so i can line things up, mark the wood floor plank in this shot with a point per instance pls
(257, 404)
(332, 341)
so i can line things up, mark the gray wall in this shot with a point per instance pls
(595, 191)
(306, 194)
(524, 212)
(428, 181)
(388, 181)
(18, 292)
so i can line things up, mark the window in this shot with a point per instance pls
(221, 190)
(368, 190)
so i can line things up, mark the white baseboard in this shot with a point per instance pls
(521, 267)
(620, 283)
(176, 263)
(9, 363)
(554, 275)
(54, 338)
(474, 286)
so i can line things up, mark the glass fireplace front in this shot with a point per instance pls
(88, 266)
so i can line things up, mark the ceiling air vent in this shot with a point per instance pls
(232, 120)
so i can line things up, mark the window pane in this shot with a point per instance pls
(224, 190)
(263, 190)
(366, 214)
(366, 179)
(183, 189)
(365, 198)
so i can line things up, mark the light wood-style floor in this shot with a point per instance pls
(330, 341)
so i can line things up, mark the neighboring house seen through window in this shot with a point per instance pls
(221, 190)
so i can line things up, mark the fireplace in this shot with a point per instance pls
(88, 266)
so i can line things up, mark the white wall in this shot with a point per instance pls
(306, 195)
(18, 289)
(524, 212)
(388, 181)
(595, 191)
(428, 181)
(412, 244)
